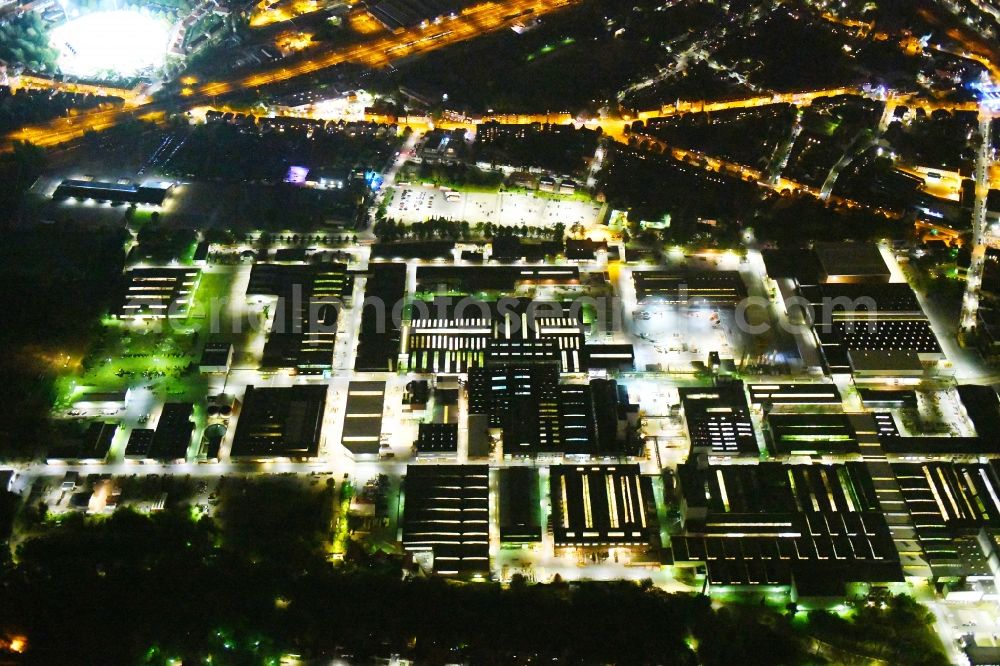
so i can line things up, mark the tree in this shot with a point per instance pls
(19, 169)
(25, 40)
(558, 231)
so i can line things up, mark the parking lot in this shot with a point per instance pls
(417, 203)
(678, 339)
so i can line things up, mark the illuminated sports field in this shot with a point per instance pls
(122, 41)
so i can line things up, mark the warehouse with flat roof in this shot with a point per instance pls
(780, 525)
(794, 394)
(519, 505)
(474, 279)
(308, 300)
(436, 440)
(446, 511)
(280, 422)
(720, 289)
(871, 328)
(718, 420)
(811, 434)
(173, 432)
(601, 506)
(158, 293)
(363, 419)
(150, 194)
(380, 332)
(851, 262)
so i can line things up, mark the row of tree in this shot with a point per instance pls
(388, 231)
(255, 583)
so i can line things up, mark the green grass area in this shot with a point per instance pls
(428, 296)
(474, 189)
(340, 532)
(127, 356)
(457, 177)
(825, 126)
(161, 355)
(213, 289)
(140, 217)
(579, 195)
(458, 187)
(549, 48)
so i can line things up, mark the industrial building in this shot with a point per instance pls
(436, 440)
(947, 501)
(811, 528)
(519, 506)
(158, 293)
(774, 395)
(538, 415)
(149, 194)
(716, 289)
(446, 513)
(173, 432)
(718, 420)
(280, 422)
(452, 337)
(379, 335)
(874, 330)
(851, 263)
(306, 301)
(363, 419)
(600, 506)
(811, 434)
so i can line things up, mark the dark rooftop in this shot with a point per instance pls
(718, 419)
(519, 505)
(801, 265)
(773, 523)
(600, 505)
(811, 434)
(851, 262)
(437, 438)
(983, 407)
(446, 511)
(280, 422)
(173, 432)
(690, 288)
(363, 417)
(379, 335)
